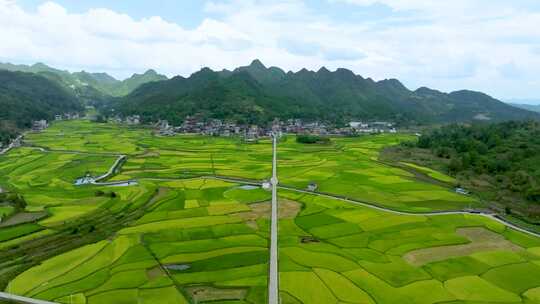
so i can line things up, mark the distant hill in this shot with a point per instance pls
(534, 108)
(89, 86)
(26, 96)
(255, 94)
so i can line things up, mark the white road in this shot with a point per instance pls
(273, 282)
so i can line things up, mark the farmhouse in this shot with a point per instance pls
(312, 186)
(38, 125)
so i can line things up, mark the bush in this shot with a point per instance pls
(533, 195)
(312, 139)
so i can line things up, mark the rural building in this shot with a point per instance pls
(312, 186)
(38, 125)
(462, 191)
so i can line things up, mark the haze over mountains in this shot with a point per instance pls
(529, 107)
(255, 93)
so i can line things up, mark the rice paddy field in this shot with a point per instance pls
(181, 235)
(197, 242)
(349, 167)
(336, 253)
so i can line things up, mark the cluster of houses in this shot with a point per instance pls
(66, 116)
(372, 127)
(212, 127)
(216, 127)
(128, 120)
(42, 124)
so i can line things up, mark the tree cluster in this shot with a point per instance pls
(507, 151)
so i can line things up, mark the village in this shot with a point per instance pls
(217, 127)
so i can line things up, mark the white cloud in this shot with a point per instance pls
(457, 44)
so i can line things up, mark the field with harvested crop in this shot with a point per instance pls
(179, 233)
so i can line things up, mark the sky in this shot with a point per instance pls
(491, 46)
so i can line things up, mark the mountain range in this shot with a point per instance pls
(249, 94)
(90, 85)
(255, 94)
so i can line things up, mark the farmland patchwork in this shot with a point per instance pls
(194, 228)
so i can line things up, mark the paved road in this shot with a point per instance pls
(18, 299)
(112, 169)
(273, 284)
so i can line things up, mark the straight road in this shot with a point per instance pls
(273, 284)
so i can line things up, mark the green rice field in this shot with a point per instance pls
(182, 235)
(336, 253)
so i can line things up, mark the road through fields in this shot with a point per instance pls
(273, 282)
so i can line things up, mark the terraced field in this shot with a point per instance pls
(191, 244)
(179, 235)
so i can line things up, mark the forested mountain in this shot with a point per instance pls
(257, 94)
(89, 86)
(25, 97)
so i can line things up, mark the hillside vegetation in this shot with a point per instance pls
(499, 162)
(25, 97)
(256, 94)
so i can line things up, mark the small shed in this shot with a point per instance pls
(312, 186)
(462, 191)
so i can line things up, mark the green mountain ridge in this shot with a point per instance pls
(102, 84)
(257, 94)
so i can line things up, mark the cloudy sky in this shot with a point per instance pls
(486, 45)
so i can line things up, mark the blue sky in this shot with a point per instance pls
(486, 45)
